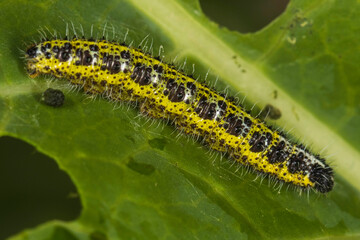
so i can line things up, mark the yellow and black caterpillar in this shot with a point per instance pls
(124, 73)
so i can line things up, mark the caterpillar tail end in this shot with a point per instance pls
(323, 179)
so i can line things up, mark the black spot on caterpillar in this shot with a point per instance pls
(53, 97)
(123, 73)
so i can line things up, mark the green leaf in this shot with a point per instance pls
(138, 180)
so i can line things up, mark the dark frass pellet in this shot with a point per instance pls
(53, 97)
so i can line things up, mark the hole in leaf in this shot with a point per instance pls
(243, 16)
(33, 189)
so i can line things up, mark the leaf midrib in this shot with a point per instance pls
(220, 57)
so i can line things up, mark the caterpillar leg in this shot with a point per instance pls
(148, 110)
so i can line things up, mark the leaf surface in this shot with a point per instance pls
(139, 180)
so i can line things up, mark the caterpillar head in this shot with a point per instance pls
(33, 56)
(41, 57)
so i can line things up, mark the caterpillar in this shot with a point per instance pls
(123, 73)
